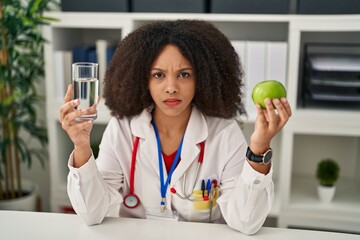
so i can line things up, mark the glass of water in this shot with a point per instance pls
(85, 77)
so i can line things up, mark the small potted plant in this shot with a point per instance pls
(327, 174)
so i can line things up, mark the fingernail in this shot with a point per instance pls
(267, 101)
(276, 101)
(283, 100)
(75, 102)
(83, 110)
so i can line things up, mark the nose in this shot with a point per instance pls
(171, 85)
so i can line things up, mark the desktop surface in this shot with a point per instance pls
(16, 225)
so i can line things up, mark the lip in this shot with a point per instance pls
(172, 101)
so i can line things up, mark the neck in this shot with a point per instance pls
(171, 125)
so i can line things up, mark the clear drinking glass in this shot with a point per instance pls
(85, 77)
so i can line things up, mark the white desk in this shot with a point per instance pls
(37, 226)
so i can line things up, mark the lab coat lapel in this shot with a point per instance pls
(196, 132)
(141, 127)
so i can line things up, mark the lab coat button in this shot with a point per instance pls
(75, 176)
(257, 181)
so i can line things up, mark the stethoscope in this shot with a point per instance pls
(131, 200)
(187, 196)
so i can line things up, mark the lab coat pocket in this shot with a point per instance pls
(203, 201)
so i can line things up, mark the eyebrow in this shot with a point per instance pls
(181, 69)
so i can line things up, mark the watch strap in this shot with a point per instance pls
(262, 159)
(253, 157)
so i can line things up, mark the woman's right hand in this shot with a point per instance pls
(79, 132)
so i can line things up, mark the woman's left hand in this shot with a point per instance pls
(268, 123)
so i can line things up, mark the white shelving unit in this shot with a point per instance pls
(310, 135)
(313, 134)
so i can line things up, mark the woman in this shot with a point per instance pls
(172, 149)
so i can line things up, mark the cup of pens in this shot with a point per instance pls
(85, 78)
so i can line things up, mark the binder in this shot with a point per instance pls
(62, 70)
(260, 61)
(255, 66)
(101, 47)
(81, 53)
(276, 61)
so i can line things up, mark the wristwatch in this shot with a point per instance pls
(264, 158)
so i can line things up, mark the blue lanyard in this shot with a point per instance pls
(164, 185)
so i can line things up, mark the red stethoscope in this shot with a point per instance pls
(131, 200)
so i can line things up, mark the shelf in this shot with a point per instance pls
(306, 211)
(325, 122)
(346, 200)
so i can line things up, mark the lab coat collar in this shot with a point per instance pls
(196, 132)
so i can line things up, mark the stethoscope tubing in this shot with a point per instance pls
(135, 198)
(187, 196)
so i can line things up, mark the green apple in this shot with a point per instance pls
(267, 89)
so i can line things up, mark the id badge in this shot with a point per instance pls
(166, 215)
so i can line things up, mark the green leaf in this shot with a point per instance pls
(19, 100)
(25, 155)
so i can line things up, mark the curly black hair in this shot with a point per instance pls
(217, 68)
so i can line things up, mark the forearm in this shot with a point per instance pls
(81, 155)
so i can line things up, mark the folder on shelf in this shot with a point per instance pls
(331, 75)
(109, 53)
(101, 49)
(239, 47)
(335, 63)
(255, 66)
(62, 71)
(260, 61)
(81, 53)
(92, 56)
(104, 52)
(276, 61)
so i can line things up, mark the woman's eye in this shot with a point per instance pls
(184, 75)
(158, 75)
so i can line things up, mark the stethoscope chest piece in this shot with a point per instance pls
(131, 201)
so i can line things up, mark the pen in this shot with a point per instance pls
(211, 195)
(214, 182)
(203, 187)
(208, 186)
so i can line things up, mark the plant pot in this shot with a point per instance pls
(326, 194)
(24, 203)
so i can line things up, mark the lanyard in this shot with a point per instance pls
(164, 185)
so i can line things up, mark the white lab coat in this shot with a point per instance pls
(99, 186)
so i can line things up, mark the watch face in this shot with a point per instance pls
(267, 157)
